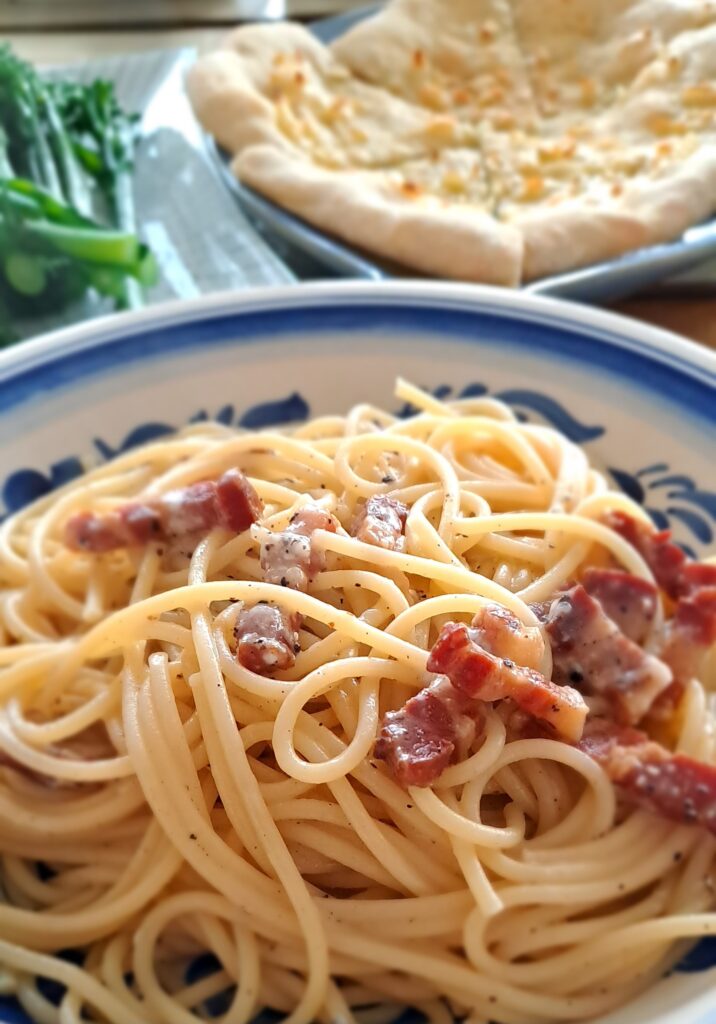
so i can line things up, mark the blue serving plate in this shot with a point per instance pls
(640, 401)
(311, 253)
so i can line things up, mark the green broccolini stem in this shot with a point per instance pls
(28, 200)
(40, 152)
(76, 190)
(90, 245)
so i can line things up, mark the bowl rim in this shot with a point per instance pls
(615, 329)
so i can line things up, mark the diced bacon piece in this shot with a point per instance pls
(287, 557)
(230, 502)
(628, 600)
(664, 707)
(484, 676)
(590, 651)
(238, 504)
(665, 559)
(500, 632)
(697, 576)
(142, 522)
(676, 787)
(381, 522)
(602, 736)
(266, 638)
(310, 518)
(673, 570)
(646, 774)
(131, 526)
(422, 738)
(190, 509)
(690, 634)
(438, 725)
(692, 629)
(696, 616)
(86, 531)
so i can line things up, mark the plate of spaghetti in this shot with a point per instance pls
(357, 664)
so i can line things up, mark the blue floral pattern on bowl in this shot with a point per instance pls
(665, 495)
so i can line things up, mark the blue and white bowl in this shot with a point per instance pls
(641, 401)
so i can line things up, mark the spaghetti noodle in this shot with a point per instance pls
(159, 800)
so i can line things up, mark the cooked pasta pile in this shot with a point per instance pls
(160, 801)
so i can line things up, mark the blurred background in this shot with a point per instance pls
(75, 33)
(51, 15)
(59, 31)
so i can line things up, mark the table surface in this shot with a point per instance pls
(25, 24)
